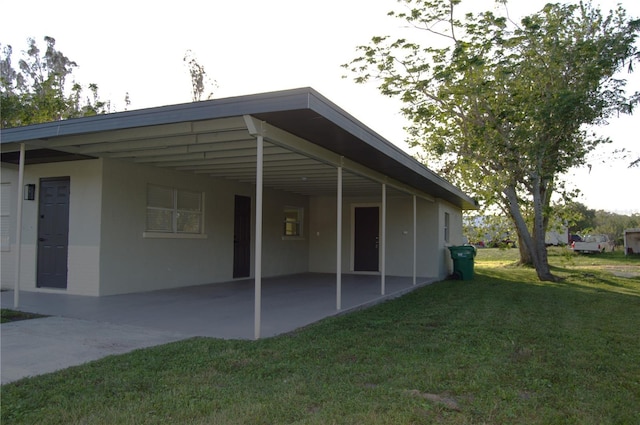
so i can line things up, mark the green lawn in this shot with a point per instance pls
(7, 315)
(502, 349)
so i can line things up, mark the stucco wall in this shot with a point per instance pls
(399, 235)
(132, 263)
(455, 235)
(108, 253)
(84, 232)
(8, 202)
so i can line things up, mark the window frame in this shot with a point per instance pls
(447, 227)
(175, 211)
(299, 223)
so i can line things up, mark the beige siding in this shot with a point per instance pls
(8, 199)
(399, 235)
(109, 253)
(455, 235)
(84, 230)
(132, 263)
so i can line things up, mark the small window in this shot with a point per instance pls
(171, 210)
(446, 227)
(293, 222)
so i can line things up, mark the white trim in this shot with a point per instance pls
(300, 211)
(174, 210)
(257, 307)
(339, 241)
(415, 238)
(16, 289)
(382, 246)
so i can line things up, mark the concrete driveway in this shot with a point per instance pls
(83, 329)
(38, 346)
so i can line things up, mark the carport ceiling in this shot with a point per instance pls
(221, 148)
(212, 138)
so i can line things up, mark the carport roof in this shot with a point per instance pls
(303, 112)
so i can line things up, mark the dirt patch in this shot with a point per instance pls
(623, 271)
(447, 401)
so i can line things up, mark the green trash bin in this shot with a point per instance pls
(462, 257)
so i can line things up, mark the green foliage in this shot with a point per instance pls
(579, 217)
(199, 78)
(614, 225)
(500, 108)
(38, 90)
(501, 349)
(7, 315)
(583, 220)
(491, 230)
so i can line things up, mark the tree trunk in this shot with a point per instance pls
(525, 256)
(539, 229)
(532, 248)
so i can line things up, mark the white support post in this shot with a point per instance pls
(383, 238)
(339, 241)
(415, 238)
(258, 249)
(16, 288)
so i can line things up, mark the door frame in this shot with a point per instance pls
(352, 238)
(250, 233)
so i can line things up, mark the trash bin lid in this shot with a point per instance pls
(463, 251)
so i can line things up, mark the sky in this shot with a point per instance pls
(254, 46)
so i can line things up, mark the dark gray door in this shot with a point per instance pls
(53, 232)
(365, 255)
(242, 237)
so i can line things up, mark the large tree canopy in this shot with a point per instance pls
(501, 108)
(38, 92)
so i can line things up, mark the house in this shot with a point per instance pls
(632, 241)
(244, 187)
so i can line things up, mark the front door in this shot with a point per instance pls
(242, 237)
(53, 233)
(366, 230)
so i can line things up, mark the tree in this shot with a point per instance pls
(37, 91)
(501, 108)
(579, 217)
(199, 78)
(614, 225)
(488, 230)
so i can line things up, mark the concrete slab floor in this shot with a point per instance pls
(84, 328)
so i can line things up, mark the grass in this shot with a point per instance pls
(7, 315)
(501, 349)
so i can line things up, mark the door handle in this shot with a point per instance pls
(41, 239)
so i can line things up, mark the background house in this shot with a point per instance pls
(213, 191)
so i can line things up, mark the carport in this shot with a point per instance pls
(294, 141)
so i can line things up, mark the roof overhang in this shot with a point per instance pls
(306, 136)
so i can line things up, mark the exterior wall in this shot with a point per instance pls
(131, 262)
(8, 199)
(84, 231)
(399, 235)
(109, 254)
(456, 236)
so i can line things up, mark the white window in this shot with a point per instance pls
(446, 227)
(293, 222)
(171, 210)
